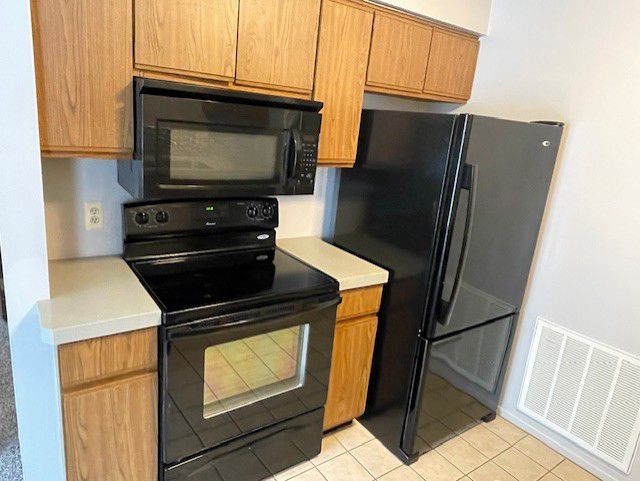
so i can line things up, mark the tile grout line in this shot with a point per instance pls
(491, 459)
(547, 471)
(488, 458)
(364, 467)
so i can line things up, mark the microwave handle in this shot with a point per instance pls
(297, 152)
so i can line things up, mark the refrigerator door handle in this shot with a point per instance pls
(471, 184)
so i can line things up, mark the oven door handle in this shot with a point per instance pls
(279, 311)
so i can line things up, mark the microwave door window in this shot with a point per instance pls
(199, 153)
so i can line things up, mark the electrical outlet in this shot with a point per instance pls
(93, 215)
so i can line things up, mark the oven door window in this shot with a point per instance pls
(202, 153)
(246, 371)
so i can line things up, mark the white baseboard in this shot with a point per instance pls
(567, 449)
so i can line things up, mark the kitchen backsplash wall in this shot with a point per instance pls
(69, 183)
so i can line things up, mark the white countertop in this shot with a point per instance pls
(101, 296)
(94, 297)
(350, 271)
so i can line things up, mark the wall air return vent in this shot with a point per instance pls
(584, 390)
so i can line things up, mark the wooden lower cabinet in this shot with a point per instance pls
(109, 407)
(110, 431)
(353, 345)
(350, 369)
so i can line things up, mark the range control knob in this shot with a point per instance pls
(252, 211)
(141, 218)
(267, 211)
(162, 217)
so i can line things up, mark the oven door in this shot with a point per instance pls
(226, 377)
(194, 147)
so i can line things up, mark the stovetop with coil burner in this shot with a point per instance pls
(200, 259)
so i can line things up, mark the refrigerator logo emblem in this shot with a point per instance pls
(263, 236)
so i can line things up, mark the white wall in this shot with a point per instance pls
(24, 256)
(580, 63)
(469, 14)
(69, 183)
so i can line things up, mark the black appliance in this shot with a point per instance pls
(451, 205)
(245, 342)
(199, 142)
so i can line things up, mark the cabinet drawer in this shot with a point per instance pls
(359, 302)
(109, 356)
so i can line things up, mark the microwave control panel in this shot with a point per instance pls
(306, 168)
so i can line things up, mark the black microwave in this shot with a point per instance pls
(200, 142)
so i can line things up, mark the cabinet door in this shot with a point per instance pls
(188, 37)
(277, 43)
(84, 60)
(343, 51)
(452, 64)
(350, 370)
(399, 53)
(110, 431)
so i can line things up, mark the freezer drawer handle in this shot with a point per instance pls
(471, 184)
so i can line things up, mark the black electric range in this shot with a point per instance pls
(193, 287)
(246, 339)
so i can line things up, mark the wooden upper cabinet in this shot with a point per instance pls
(341, 69)
(83, 53)
(277, 44)
(452, 64)
(399, 53)
(196, 38)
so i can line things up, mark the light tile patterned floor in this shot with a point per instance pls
(496, 451)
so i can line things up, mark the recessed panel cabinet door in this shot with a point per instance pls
(452, 64)
(343, 51)
(350, 369)
(83, 53)
(188, 37)
(399, 53)
(277, 43)
(110, 431)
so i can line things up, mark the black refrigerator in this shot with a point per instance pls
(451, 206)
